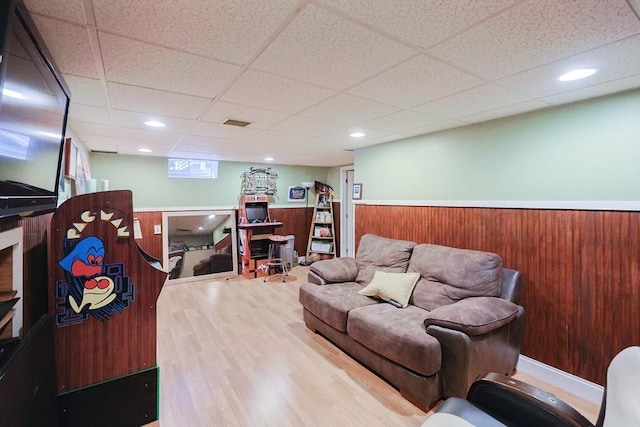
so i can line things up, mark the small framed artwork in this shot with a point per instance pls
(357, 191)
(70, 159)
(297, 194)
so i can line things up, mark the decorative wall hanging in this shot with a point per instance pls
(259, 181)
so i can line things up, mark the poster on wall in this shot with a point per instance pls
(297, 194)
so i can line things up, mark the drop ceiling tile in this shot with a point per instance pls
(153, 101)
(506, 111)
(132, 119)
(88, 113)
(343, 139)
(67, 10)
(270, 138)
(131, 146)
(153, 136)
(595, 91)
(415, 82)
(438, 19)
(84, 129)
(223, 131)
(537, 32)
(228, 30)
(615, 61)
(86, 91)
(141, 64)
(69, 45)
(258, 117)
(268, 91)
(325, 49)
(307, 126)
(472, 101)
(449, 124)
(101, 144)
(348, 109)
(403, 121)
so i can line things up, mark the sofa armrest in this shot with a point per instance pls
(335, 270)
(466, 357)
(474, 316)
(512, 401)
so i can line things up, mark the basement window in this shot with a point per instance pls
(189, 168)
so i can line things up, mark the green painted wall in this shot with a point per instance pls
(147, 178)
(582, 151)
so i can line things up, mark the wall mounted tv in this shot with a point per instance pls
(34, 101)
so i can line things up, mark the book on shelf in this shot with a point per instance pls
(322, 216)
(320, 231)
(318, 246)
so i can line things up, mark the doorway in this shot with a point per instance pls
(347, 218)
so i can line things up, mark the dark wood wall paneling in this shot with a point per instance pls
(34, 291)
(150, 243)
(581, 272)
(293, 223)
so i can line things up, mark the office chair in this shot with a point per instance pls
(497, 400)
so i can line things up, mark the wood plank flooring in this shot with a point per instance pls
(237, 353)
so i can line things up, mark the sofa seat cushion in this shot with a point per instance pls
(380, 253)
(398, 334)
(451, 274)
(332, 303)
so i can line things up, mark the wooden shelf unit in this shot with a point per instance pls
(322, 236)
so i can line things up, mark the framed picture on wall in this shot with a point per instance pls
(70, 159)
(297, 194)
(357, 191)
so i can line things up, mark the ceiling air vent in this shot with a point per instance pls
(239, 123)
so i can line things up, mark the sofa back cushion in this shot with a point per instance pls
(451, 274)
(380, 253)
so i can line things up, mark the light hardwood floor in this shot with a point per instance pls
(237, 353)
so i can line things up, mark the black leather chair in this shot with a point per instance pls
(497, 400)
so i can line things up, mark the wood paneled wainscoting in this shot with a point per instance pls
(294, 222)
(581, 272)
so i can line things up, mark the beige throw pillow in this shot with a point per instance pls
(392, 286)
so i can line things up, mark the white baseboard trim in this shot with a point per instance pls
(575, 385)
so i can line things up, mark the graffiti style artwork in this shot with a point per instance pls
(93, 286)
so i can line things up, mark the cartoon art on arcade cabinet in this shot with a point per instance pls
(92, 286)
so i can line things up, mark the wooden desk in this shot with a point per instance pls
(253, 246)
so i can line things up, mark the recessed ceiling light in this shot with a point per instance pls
(357, 135)
(268, 159)
(154, 124)
(211, 216)
(144, 150)
(577, 74)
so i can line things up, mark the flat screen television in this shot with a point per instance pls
(34, 102)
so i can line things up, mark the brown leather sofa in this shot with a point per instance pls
(219, 262)
(462, 320)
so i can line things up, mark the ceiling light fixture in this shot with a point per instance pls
(577, 74)
(144, 150)
(154, 124)
(357, 135)
(268, 159)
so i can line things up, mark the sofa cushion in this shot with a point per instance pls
(474, 316)
(451, 274)
(397, 334)
(391, 286)
(380, 253)
(332, 303)
(343, 269)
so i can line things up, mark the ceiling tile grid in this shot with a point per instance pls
(307, 73)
